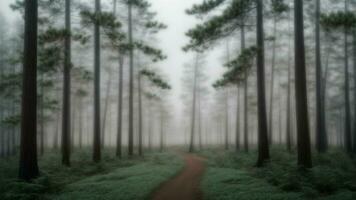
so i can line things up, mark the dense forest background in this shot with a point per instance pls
(254, 83)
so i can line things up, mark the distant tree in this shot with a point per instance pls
(321, 137)
(346, 21)
(66, 88)
(278, 7)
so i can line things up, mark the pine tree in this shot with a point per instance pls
(28, 149)
(303, 135)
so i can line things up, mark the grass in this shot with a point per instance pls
(133, 178)
(232, 176)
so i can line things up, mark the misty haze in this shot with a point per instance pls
(177, 99)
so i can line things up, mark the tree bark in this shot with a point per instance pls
(303, 135)
(348, 140)
(354, 63)
(140, 120)
(321, 138)
(227, 120)
(131, 85)
(270, 127)
(106, 108)
(237, 131)
(263, 149)
(192, 128)
(66, 113)
(243, 41)
(97, 143)
(28, 169)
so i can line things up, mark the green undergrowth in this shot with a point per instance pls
(232, 175)
(127, 178)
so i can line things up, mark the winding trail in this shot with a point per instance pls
(185, 186)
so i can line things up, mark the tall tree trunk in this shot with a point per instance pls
(28, 169)
(73, 123)
(140, 120)
(42, 117)
(199, 120)
(354, 63)
(227, 120)
(80, 122)
(120, 100)
(246, 140)
(321, 138)
(119, 117)
(97, 148)
(161, 130)
(150, 125)
(66, 113)
(303, 135)
(289, 85)
(237, 131)
(106, 108)
(263, 150)
(270, 127)
(192, 128)
(131, 85)
(348, 140)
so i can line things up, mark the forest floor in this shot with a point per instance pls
(231, 176)
(187, 184)
(212, 174)
(125, 179)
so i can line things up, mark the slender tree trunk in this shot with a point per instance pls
(303, 135)
(321, 138)
(192, 128)
(354, 63)
(227, 120)
(237, 131)
(270, 127)
(42, 117)
(120, 100)
(246, 146)
(66, 113)
(263, 150)
(161, 131)
(97, 148)
(80, 122)
(106, 108)
(348, 140)
(131, 87)
(28, 169)
(150, 124)
(140, 120)
(288, 114)
(73, 123)
(119, 117)
(199, 120)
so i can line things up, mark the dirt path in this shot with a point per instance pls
(185, 186)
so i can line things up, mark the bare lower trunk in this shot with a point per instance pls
(106, 108)
(131, 86)
(263, 149)
(28, 169)
(119, 117)
(303, 135)
(97, 113)
(270, 127)
(192, 128)
(140, 117)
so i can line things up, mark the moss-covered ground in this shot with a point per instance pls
(232, 176)
(124, 179)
